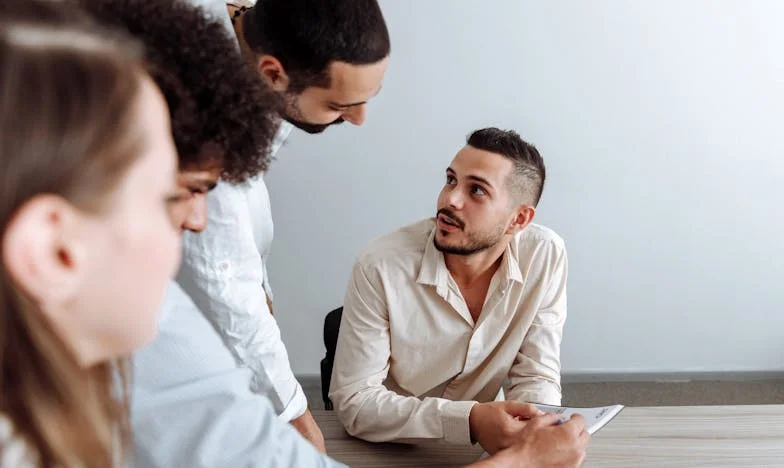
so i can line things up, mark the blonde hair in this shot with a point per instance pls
(67, 128)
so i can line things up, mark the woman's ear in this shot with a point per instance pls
(42, 253)
(273, 73)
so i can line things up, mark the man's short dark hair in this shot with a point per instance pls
(527, 179)
(214, 95)
(307, 35)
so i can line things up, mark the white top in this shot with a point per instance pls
(410, 361)
(224, 272)
(15, 452)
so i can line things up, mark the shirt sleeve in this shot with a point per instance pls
(192, 406)
(535, 376)
(366, 408)
(224, 274)
(212, 422)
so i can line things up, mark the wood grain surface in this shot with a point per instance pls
(673, 436)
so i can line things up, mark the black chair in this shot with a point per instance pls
(331, 329)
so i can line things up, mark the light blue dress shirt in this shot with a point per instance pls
(192, 406)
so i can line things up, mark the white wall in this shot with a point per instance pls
(661, 126)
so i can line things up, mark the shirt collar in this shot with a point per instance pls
(432, 263)
(513, 272)
(433, 269)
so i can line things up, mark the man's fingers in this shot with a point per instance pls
(576, 423)
(546, 420)
(584, 438)
(522, 410)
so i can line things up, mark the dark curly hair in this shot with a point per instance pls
(214, 95)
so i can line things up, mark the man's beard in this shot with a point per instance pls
(313, 129)
(294, 117)
(475, 243)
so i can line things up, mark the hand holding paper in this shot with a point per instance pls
(497, 425)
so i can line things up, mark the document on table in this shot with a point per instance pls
(595, 418)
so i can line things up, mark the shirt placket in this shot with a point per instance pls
(476, 343)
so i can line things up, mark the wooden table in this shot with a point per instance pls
(708, 436)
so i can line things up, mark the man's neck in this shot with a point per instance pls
(466, 269)
(239, 30)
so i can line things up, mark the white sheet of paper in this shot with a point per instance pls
(595, 418)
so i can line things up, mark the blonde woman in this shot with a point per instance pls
(87, 172)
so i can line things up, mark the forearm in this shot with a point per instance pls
(364, 405)
(253, 337)
(223, 272)
(536, 390)
(380, 415)
(263, 352)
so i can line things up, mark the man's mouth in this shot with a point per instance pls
(449, 223)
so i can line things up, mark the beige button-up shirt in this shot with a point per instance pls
(410, 361)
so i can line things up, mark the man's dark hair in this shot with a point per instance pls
(307, 35)
(527, 179)
(214, 95)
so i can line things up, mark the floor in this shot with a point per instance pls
(707, 392)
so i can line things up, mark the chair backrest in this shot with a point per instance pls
(331, 331)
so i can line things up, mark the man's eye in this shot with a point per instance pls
(182, 194)
(175, 198)
(477, 190)
(450, 180)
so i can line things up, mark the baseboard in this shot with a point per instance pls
(312, 381)
(669, 376)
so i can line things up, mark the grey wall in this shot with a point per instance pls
(661, 126)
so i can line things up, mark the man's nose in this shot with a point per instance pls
(356, 114)
(197, 218)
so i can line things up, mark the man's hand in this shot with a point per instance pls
(307, 426)
(544, 443)
(497, 425)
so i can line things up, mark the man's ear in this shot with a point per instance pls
(273, 73)
(523, 216)
(41, 251)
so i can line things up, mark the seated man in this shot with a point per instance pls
(439, 314)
